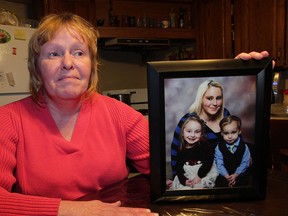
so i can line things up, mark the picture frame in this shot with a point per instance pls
(172, 85)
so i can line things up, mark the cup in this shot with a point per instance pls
(165, 24)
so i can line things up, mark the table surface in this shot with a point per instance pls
(135, 192)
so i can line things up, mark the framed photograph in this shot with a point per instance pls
(209, 128)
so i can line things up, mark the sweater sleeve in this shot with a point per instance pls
(15, 203)
(138, 141)
(134, 133)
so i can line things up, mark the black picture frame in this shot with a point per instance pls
(237, 72)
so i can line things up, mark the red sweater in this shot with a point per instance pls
(38, 167)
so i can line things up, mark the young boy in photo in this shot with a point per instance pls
(232, 156)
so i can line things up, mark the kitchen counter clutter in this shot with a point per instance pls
(279, 111)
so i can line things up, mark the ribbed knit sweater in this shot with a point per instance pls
(38, 167)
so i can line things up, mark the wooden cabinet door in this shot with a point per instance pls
(260, 25)
(83, 8)
(213, 29)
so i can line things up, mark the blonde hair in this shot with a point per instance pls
(196, 106)
(46, 31)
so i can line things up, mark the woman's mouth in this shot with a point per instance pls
(67, 78)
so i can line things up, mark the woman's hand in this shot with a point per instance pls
(254, 55)
(96, 207)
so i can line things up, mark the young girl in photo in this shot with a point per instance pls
(195, 167)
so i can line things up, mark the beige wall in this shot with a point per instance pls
(121, 70)
(127, 70)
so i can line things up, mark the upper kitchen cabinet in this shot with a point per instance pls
(143, 19)
(260, 25)
(225, 28)
(83, 8)
(213, 29)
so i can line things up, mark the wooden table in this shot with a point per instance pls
(135, 192)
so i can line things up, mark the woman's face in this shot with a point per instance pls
(65, 65)
(212, 101)
(192, 132)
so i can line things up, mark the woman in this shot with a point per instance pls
(66, 140)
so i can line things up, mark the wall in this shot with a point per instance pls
(128, 70)
(121, 70)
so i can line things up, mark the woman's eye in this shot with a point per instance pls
(78, 53)
(219, 98)
(53, 54)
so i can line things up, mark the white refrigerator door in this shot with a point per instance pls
(14, 75)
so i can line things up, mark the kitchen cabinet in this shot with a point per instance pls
(260, 25)
(128, 32)
(84, 8)
(158, 10)
(153, 12)
(213, 29)
(149, 12)
(228, 27)
(221, 29)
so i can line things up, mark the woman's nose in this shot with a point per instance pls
(67, 63)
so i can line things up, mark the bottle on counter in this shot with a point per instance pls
(172, 17)
(181, 18)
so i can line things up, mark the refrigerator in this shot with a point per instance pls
(14, 75)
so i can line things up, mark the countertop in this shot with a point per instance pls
(135, 192)
(279, 112)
